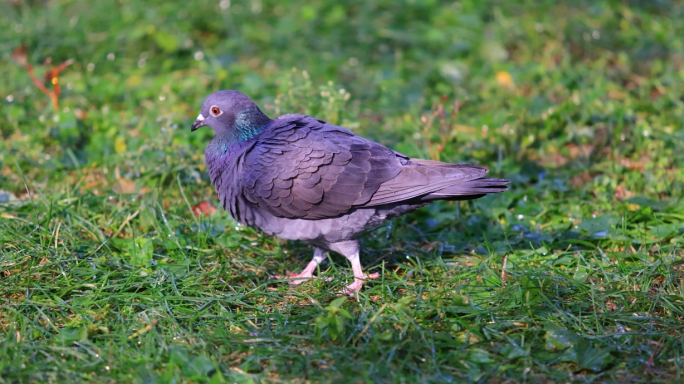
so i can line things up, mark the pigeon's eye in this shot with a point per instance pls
(215, 111)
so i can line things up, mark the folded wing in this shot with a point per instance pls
(306, 168)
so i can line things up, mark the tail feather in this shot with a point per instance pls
(471, 189)
(429, 180)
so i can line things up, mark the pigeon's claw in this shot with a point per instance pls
(354, 288)
(297, 278)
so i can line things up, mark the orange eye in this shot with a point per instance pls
(215, 111)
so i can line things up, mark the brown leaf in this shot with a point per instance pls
(581, 179)
(80, 114)
(20, 56)
(558, 160)
(583, 150)
(622, 193)
(637, 165)
(93, 178)
(124, 186)
(204, 209)
(554, 159)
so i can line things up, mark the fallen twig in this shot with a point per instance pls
(20, 56)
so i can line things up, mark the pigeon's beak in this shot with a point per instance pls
(199, 122)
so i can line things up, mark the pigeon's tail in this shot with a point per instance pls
(472, 189)
(428, 180)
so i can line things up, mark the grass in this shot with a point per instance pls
(574, 275)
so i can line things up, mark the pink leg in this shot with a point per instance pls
(306, 273)
(350, 250)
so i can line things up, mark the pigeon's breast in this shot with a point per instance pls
(224, 172)
(320, 231)
(331, 230)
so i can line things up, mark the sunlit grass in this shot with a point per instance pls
(574, 275)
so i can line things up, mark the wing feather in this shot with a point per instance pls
(306, 168)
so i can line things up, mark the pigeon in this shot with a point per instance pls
(299, 178)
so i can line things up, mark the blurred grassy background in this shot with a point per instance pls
(575, 274)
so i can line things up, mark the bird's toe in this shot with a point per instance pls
(294, 278)
(353, 288)
(297, 278)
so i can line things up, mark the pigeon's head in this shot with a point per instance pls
(231, 115)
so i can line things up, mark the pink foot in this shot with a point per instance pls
(353, 288)
(297, 278)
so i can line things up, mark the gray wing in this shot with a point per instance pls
(306, 168)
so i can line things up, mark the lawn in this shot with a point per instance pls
(115, 267)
